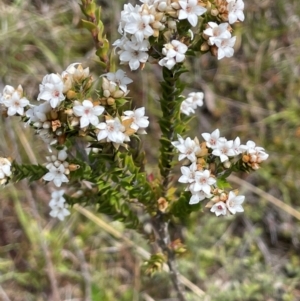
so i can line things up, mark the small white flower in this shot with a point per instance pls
(237, 146)
(88, 113)
(5, 170)
(138, 25)
(128, 10)
(188, 173)
(224, 149)
(140, 121)
(188, 148)
(190, 10)
(38, 113)
(15, 104)
(134, 53)
(212, 139)
(203, 181)
(57, 175)
(235, 10)
(217, 31)
(174, 52)
(186, 108)
(112, 130)
(198, 197)
(225, 47)
(51, 90)
(119, 78)
(234, 202)
(196, 99)
(58, 206)
(219, 209)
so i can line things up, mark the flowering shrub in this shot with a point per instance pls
(93, 133)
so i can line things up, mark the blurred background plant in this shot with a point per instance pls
(254, 95)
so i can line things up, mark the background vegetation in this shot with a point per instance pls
(255, 95)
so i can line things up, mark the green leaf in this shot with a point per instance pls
(88, 25)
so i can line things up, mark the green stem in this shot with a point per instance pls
(170, 104)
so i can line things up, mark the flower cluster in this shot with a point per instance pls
(224, 203)
(13, 101)
(139, 23)
(5, 170)
(218, 35)
(252, 155)
(208, 161)
(142, 26)
(58, 205)
(58, 168)
(190, 104)
(66, 109)
(174, 53)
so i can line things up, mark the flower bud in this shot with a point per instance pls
(223, 197)
(162, 204)
(106, 93)
(105, 83)
(162, 6)
(71, 94)
(214, 12)
(118, 94)
(73, 167)
(204, 47)
(111, 101)
(175, 5)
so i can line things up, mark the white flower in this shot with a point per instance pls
(57, 204)
(119, 78)
(235, 10)
(190, 10)
(224, 149)
(5, 170)
(140, 121)
(237, 146)
(174, 52)
(15, 104)
(51, 90)
(217, 31)
(198, 197)
(38, 114)
(125, 14)
(256, 154)
(138, 25)
(234, 202)
(219, 209)
(188, 173)
(57, 160)
(88, 113)
(188, 148)
(134, 52)
(112, 130)
(212, 139)
(186, 108)
(7, 93)
(203, 181)
(196, 99)
(57, 175)
(225, 47)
